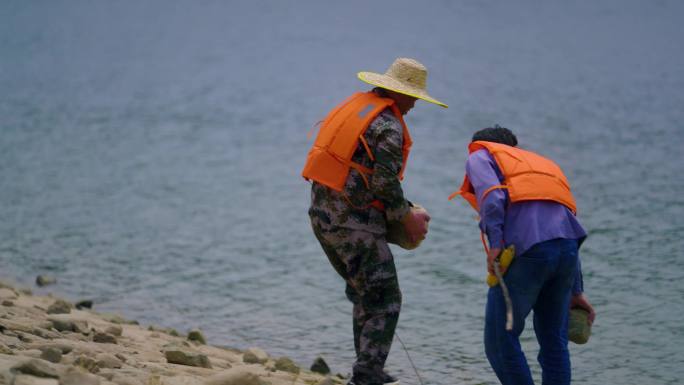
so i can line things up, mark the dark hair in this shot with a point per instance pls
(496, 134)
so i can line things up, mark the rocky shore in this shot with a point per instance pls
(46, 340)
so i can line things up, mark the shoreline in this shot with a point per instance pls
(46, 340)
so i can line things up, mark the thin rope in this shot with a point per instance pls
(507, 297)
(409, 358)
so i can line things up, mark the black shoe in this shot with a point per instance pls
(386, 380)
(389, 380)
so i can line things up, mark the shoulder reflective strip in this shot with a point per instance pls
(311, 130)
(366, 110)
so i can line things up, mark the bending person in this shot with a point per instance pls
(524, 200)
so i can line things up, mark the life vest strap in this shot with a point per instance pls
(363, 171)
(484, 243)
(376, 204)
(455, 194)
(365, 145)
(487, 191)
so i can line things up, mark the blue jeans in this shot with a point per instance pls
(540, 279)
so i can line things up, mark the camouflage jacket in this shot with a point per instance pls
(351, 208)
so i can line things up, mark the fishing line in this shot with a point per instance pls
(409, 358)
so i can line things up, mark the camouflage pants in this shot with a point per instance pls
(365, 262)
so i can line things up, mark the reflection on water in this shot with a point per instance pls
(150, 157)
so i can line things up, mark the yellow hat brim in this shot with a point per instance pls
(387, 82)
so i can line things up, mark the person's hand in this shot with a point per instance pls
(415, 222)
(491, 258)
(581, 301)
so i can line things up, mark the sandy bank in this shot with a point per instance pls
(46, 341)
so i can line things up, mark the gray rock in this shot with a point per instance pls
(44, 280)
(108, 361)
(85, 304)
(60, 306)
(63, 347)
(33, 353)
(117, 319)
(121, 380)
(26, 291)
(326, 381)
(53, 355)
(7, 303)
(286, 365)
(181, 357)
(235, 376)
(65, 322)
(74, 376)
(44, 333)
(36, 368)
(104, 338)
(23, 379)
(254, 356)
(115, 330)
(320, 366)
(196, 335)
(87, 363)
(5, 350)
(7, 294)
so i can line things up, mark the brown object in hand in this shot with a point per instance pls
(396, 232)
(579, 329)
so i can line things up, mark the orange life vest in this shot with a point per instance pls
(330, 159)
(527, 176)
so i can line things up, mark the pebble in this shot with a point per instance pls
(255, 356)
(60, 306)
(7, 294)
(234, 376)
(36, 368)
(196, 335)
(181, 357)
(87, 363)
(74, 376)
(104, 338)
(114, 330)
(287, 365)
(44, 280)
(108, 361)
(85, 304)
(320, 366)
(53, 355)
(23, 379)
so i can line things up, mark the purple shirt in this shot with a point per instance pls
(522, 224)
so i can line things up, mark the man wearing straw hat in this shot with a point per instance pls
(355, 166)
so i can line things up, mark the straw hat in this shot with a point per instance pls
(406, 76)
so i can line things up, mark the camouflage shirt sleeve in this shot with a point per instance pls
(387, 133)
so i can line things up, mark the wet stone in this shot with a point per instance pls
(287, 365)
(254, 356)
(59, 307)
(196, 335)
(187, 358)
(104, 338)
(44, 280)
(85, 304)
(53, 355)
(36, 368)
(115, 330)
(320, 366)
